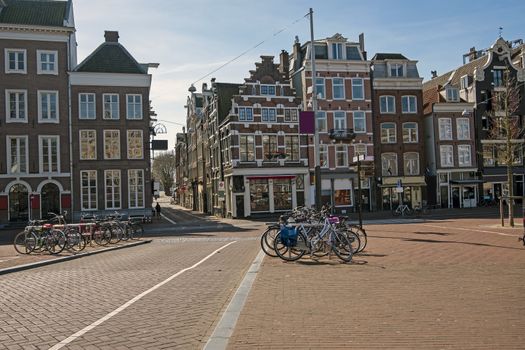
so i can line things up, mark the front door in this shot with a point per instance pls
(239, 203)
(50, 200)
(18, 203)
(456, 202)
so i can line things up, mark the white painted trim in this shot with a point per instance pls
(453, 107)
(408, 97)
(119, 142)
(362, 89)
(387, 112)
(41, 155)
(6, 60)
(106, 189)
(110, 79)
(80, 144)
(94, 105)
(48, 121)
(7, 105)
(141, 140)
(143, 190)
(39, 62)
(269, 172)
(457, 129)
(353, 122)
(34, 176)
(403, 134)
(398, 83)
(381, 133)
(8, 153)
(439, 129)
(45, 182)
(344, 89)
(141, 107)
(104, 106)
(15, 32)
(89, 193)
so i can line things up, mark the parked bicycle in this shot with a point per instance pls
(403, 210)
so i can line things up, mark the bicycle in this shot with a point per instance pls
(402, 210)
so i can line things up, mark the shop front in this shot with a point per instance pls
(402, 190)
(458, 189)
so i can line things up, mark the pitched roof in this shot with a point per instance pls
(40, 13)
(455, 75)
(388, 56)
(111, 57)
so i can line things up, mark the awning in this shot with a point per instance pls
(271, 177)
(466, 182)
(415, 184)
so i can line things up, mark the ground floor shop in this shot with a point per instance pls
(253, 194)
(496, 186)
(341, 192)
(33, 198)
(408, 190)
(458, 188)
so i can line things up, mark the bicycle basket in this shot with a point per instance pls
(288, 236)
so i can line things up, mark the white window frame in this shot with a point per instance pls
(104, 109)
(6, 59)
(268, 87)
(321, 115)
(40, 110)
(8, 106)
(387, 98)
(410, 140)
(405, 164)
(290, 114)
(8, 150)
(395, 171)
(340, 85)
(134, 107)
(463, 134)
(462, 151)
(408, 99)
(445, 129)
(87, 103)
(141, 144)
(452, 94)
(243, 111)
(39, 63)
(357, 152)
(388, 137)
(354, 121)
(118, 143)
(394, 67)
(323, 151)
(90, 199)
(114, 195)
(450, 151)
(337, 51)
(338, 151)
(42, 156)
(246, 151)
(130, 193)
(464, 82)
(271, 114)
(356, 87)
(339, 120)
(323, 85)
(82, 140)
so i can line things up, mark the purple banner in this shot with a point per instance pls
(306, 122)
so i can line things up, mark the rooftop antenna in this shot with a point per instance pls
(500, 31)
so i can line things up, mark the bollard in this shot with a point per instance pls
(523, 216)
(501, 214)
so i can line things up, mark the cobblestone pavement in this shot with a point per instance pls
(43, 306)
(448, 284)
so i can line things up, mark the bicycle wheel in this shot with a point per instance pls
(75, 241)
(354, 240)
(290, 253)
(361, 233)
(25, 242)
(55, 241)
(342, 247)
(116, 233)
(137, 231)
(267, 239)
(396, 212)
(102, 236)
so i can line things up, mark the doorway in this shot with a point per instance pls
(455, 197)
(239, 204)
(18, 203)
(50, 197)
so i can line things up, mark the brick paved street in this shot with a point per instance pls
(431, 285)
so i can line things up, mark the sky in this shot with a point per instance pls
(191, 38)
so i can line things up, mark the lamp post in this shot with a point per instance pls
(358, 159)
(314, 108)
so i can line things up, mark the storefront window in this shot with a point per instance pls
(282, 194)
(326, 197)
(259, 196)
(342, 198)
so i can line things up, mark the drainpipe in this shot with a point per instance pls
(70, 127)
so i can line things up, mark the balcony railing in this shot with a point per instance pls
(342, 134)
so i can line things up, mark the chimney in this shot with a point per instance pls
(284, 64)
(434, 73)
(472, 54)
(362, 44)
(296, 52)
(111, 36)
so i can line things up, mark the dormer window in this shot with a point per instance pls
(452, 94)
(337, 51)
(396, 70)
(464, 82)
(268, 90)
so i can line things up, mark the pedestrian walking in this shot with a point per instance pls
(157, 208)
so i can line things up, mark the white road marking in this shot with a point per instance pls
(471, 229)
(224, 329)
(167, 218)
(130, 302)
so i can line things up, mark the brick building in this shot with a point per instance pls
(399, 141)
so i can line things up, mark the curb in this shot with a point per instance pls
(67, 258)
